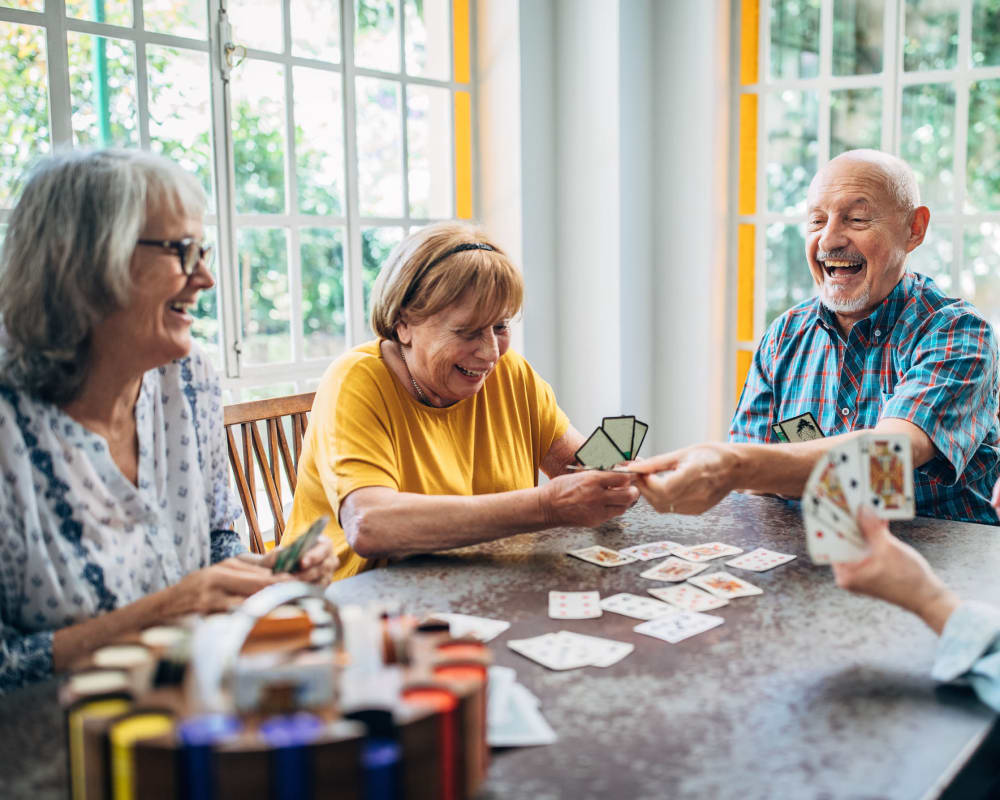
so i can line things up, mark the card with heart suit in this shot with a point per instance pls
(724, 585)
(635, 606)
(602, 556)
(603, 652)
(552, 651)
(574, 605)
(679, 625)
(887, 474)
(706, 552)
(831, 536)
(672, 569)
(760, 560)
(481, 628)
(688, 597)
(647, 552)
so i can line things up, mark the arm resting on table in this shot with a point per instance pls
(969, 649)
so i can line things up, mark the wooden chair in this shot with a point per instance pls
(269, 461)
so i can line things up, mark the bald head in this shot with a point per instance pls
(895, 175)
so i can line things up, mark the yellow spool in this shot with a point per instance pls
(123, 737)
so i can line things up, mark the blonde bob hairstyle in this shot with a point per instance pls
(420, 280)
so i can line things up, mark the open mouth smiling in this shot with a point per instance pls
(472, 373)
(841, 267)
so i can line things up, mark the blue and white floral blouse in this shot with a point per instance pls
(77, 538)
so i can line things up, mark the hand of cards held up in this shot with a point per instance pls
(289, 559)
(618, 439)
(876, 469)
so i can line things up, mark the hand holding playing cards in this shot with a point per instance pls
(687, 481)
(317, 564)
(895, 572)
(587, 498)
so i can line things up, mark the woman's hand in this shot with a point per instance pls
(316, 565)
(687, 481)
(220, 587)
(587, 498)
(895, 572)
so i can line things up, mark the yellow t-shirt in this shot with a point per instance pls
(365, 429)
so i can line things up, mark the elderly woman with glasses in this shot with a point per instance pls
(432, 436)
(115, 511)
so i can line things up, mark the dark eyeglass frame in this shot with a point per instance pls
(189, 250)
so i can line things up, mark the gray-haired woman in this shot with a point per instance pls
(115, 511)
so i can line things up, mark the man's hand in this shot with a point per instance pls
(687, 481)
(587, 498)
(895, 572)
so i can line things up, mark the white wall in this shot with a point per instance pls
(603, 169)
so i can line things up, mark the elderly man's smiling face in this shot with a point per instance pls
(857, 236)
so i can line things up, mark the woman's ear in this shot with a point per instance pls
(402, 329)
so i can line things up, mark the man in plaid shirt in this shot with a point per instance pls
(879, 348)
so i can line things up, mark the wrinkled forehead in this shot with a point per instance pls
(842, 185)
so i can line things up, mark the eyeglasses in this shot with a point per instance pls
(189, 251)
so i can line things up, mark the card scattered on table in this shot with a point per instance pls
(688, 597)
(760, 560)
(706, 552)
(647, 552)
(567, 650)
(574, 605)
(678, 626)
(724, 585)
(602, 556)
(481, 628)
(617, 439)
(672, 569)
(635, 606)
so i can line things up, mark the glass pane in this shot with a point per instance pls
(24, 5)
(258, 97)
(319, 141)
(986, 33)
(114, 12)
(180, 114)
(257, 24)
(857, 36)
(792, 118)
(376, 34)
(982, 192)
(931, 40)
(376, 244)
(176, 17)
(928, 143)
(428, 38)
(789, 280)
(316, 29)
(206, 314)
(322, 291)
(266, 393)
(429, 158)
(855, 119)
(980, 279)
(24, 103)
(263, 264)
(102, 91)
(934, 256)
(794, 39)
(380, 148)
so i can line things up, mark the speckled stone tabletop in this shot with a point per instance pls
(805, 692)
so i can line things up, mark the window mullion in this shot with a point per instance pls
(962, 88)
(60, 103)
(823, 89)
(141, 77)
(404, 100)
(353, 291)
(292, 193)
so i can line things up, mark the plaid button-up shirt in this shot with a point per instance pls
(921, 356)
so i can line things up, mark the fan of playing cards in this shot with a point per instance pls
(876, 469)
(618, 439)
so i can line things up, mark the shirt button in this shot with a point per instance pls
(845, 411)
(877, 333)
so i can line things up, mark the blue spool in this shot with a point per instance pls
(380, 762)
(199, 735)
(291, 768)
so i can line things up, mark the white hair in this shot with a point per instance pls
(899, 178)
(65, 260)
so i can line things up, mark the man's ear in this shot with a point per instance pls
(918, 227)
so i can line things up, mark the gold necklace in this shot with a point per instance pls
(416, 386)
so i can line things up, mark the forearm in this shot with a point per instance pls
(404, 523)
(937, 608)
(779, 469)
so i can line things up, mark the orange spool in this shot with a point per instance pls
(445, 704)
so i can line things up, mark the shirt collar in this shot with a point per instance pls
(883, 318)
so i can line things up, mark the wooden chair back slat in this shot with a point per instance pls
(249, 453)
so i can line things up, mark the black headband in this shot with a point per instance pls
(457, 249)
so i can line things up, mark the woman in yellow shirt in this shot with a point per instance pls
(432, 436)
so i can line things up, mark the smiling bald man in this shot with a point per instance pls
(879, 348)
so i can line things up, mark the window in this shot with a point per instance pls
(323, 133)
(918, 78)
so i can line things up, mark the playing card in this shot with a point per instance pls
(802, 428)
(724, 585)
(602, 556)
(824, 483)
(289, 558)
(553, 651)
(599, 451)
(887, 474)
(603, 652)
(847, 458)
(574, 605)
(481, 628)
(620, 430)
(634, 605)
(780, 434)
(647, 552)
(638, 436)
(679, 625)
(760, 560)
(672, 569)
(706, 552)
(688, 597)
(832, 537)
